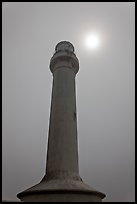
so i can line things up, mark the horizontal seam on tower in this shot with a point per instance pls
(64, 67)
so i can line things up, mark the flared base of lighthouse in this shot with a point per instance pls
(61, 191)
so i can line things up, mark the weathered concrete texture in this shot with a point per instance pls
(63, 197)
(61, 187)
(62, 146)
(62, 182)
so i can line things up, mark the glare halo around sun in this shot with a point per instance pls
(92, 41)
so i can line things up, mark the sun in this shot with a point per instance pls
(92, 41)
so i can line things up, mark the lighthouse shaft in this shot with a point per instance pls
(62, 155)
(62, 145)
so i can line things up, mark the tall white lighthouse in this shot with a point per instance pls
(62, 182)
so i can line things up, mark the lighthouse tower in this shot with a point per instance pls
(62, 182)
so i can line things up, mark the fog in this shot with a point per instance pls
(105, 86)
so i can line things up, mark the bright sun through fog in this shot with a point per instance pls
(92, 41)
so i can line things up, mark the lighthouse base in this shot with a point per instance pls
(61, 197)
(61, 191)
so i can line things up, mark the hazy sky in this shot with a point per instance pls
(104, 92)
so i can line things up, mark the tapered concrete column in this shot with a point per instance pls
(62, 157)
(62, 182)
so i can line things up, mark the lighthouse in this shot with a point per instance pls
(62, 182)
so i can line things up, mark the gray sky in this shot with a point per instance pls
(104, 91)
